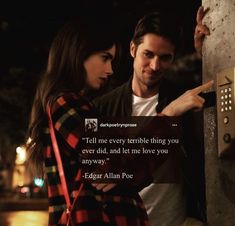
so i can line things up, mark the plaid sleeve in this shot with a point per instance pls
(67, 112)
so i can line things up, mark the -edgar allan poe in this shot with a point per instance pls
(95, 176)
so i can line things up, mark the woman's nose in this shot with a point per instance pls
(109, 68)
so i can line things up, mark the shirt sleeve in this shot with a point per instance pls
(67, 112)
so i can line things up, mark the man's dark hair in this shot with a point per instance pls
(162, 24)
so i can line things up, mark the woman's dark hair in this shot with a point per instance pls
(73, 44)
(158, 23)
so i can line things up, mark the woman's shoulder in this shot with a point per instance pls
(67, 96)
(70, 100)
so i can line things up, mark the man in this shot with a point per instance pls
(148, 93)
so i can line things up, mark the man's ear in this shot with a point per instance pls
(132, 49)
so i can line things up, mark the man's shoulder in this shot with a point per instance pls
(112, 95)
(116, 102)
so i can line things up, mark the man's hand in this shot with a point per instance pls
(103, 186)
(201, 30)
(190, 100)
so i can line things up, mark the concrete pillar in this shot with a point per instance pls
(218, 54)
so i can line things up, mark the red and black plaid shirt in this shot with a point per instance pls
(121, 206)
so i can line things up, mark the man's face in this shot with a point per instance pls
(151, 59)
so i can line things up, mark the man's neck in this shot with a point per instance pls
(142, 90)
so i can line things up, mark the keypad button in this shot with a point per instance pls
(227, 138)
(226, 120)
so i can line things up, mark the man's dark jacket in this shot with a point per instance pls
(118, 102)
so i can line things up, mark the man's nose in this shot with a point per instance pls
(155, 63)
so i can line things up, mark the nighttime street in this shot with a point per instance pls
(25, 38)
(154, 58)
(24, 218)
(15, 211)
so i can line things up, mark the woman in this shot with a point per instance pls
(80, 60)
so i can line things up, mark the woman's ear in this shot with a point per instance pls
(132, 49)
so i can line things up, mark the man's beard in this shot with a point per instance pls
(154, 80)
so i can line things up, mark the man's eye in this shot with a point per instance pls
(166, 58)
(148, 55)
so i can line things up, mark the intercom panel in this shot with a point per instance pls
(226, 112)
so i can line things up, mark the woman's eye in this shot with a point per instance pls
(105, 58)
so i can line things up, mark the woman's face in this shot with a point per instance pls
(99, 67)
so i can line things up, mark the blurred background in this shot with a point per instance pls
(26, 33)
